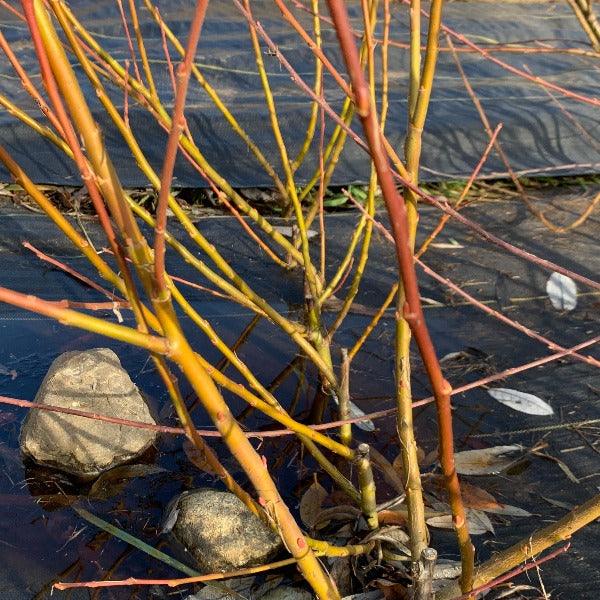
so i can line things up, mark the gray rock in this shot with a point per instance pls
(287, 593)
(91, 381)
(221, 533)
(226, 589)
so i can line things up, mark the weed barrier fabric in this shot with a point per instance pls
(31, 530)
(541, 134)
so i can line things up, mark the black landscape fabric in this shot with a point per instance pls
(543, 133)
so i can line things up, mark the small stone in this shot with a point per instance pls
(287, 593)
(225, 589)
(91, 381)
(221, 533)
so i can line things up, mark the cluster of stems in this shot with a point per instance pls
(144, 284)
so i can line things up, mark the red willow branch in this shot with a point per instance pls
(515, 572)
(273, 433)
(516, 47)
(477, 303)
(75, 274)
(177, 125)
(514, 70)
(413, 311)
(441, 205)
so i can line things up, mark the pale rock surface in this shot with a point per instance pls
(220, 533)
(91, 381)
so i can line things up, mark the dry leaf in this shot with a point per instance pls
(473, 496)
(288, 232)
(487, 461)
(526, 403)
(478, 522)
(341, 572)
(562, 291)
(311, 503)
(391, 517)
(170, 521)
(508, 511)
(477, 498)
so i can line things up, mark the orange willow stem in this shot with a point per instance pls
(177, 124)
(310, 42)
(245, 454)
(68, 131)
(66, 316)
(413, 311)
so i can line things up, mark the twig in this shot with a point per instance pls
(505, 560)
(177, 126)
(413, 312)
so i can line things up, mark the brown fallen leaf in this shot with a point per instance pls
(473, 496)
(311, 503)
(336, 513)
(487, 461)
(391, 517)
(479, 523)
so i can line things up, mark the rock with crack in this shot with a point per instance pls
(91, 381)
(221, 533)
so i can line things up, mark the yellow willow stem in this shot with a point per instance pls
(246, 455)
(318, 89)
(387, 19)
(142, 48)
(247, 298)
(327, 549)
(72, 318)
(187, 144)
(362, 258)
(344, 399)
(415, 56)
(309, 270)
(530, 547)
(369, 15)
(374, 321)
(42, 130)
(367, 486)
(345, 262)
(338, 137)
(419, 95)
(267, 404)
(331, 154)
(215, 98)
(80, 113)
(191, 432)
(341, 481)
